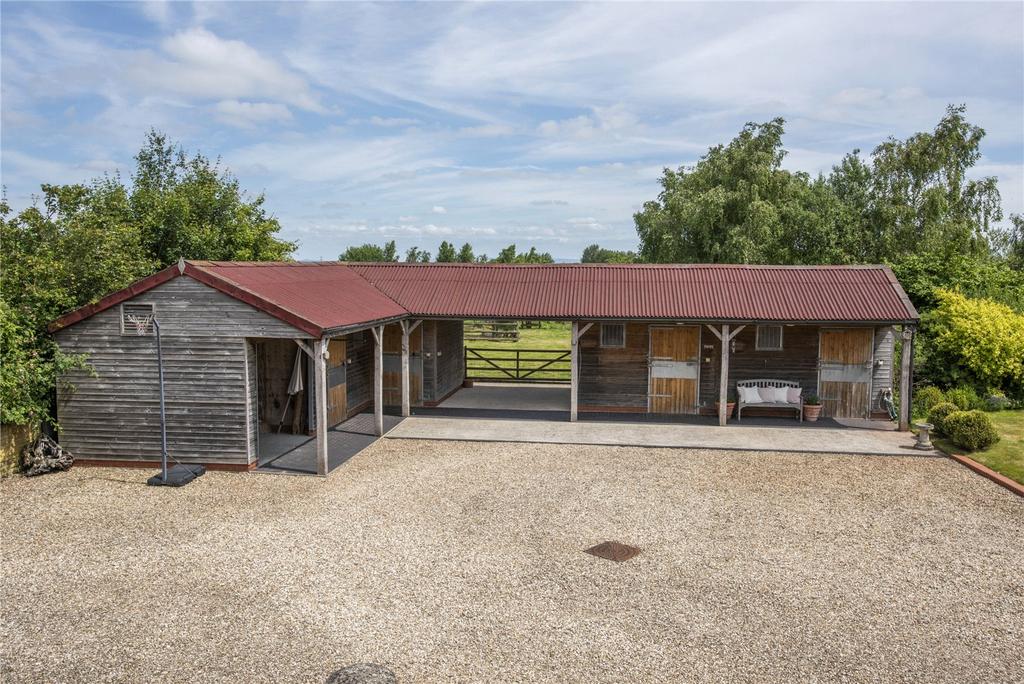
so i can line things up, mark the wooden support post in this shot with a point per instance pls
(906, 362)
(574, 371)
(320, 391)
(723, 381)
(378, 379)
(407, 329)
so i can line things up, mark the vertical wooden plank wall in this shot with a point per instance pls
(450, 362)
(359, 373)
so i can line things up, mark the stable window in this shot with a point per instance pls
(613, 334)
(136, 319)
(769, 338)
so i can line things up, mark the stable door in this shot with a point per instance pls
(337, 401)
(846, 359)
(674, 363)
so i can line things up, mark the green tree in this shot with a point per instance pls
(186, 206)
(921, 198)
(509, 255)
(76, 243)
(738, 205)
(369, 252)
(446, 253)
(415, 255)
(466, 254)
(595, 254)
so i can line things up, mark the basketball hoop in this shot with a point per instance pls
(142, 323)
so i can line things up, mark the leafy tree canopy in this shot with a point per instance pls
(79, 242)
(415, 255)
(466, 254)
(509, 255)
(370, 252)
(595, 254)
(738, 204)
(446, 253)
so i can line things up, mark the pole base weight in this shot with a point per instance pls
(177, 476)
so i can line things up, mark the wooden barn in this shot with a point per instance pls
(254, 352)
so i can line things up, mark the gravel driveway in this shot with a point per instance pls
(463, 562)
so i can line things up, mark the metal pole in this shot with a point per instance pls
(163, 416)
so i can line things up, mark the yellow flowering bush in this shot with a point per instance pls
(977, 340)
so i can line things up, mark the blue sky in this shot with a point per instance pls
(539, 124)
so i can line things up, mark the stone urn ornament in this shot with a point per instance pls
(924, 443)
(812, 408)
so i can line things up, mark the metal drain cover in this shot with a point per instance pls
(363, 673)
(613, 551)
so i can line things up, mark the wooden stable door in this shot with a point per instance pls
(337, 404)
(846, 362)
(674, 362)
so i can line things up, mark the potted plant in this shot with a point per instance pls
(730, 403)
(812, 408)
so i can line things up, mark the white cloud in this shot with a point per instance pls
(439, 210)
(251, 114)
(197, 63)
(157, 11)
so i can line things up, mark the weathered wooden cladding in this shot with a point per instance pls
(450, 363)
(359, 370)
(796, 361)
(614, 378)
(115, 414)
(882, 375)
(276, 363)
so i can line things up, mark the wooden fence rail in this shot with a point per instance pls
(518, 365)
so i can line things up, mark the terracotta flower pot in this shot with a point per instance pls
(811, 412)
(729, 406)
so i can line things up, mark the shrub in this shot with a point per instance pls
(971, 430)
(996, 401)
(965, 398)
(937, 416)
(974, 341)
(925, 398)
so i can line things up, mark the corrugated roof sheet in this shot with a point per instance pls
(315, 297)
(703, 292)
(327, 295)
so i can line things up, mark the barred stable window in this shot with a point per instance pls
(613, 335)
(769, 338)
(133, 315)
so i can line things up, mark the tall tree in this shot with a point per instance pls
(509, 255)
(595, 254)
(369, 252)
(738, 204)
(921, 197)
(415, 255)
(187, 206)
(446, 253)
(466, 254)
(78, 242)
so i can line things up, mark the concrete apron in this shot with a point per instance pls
(795, 439)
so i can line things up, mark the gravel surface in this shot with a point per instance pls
(449, 561)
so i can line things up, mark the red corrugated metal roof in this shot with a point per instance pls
(702, 292)
(315, 297)
(327, 295)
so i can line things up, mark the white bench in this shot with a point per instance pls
(740, 404)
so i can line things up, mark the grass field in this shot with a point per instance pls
(552, 335)
(1006, 457)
